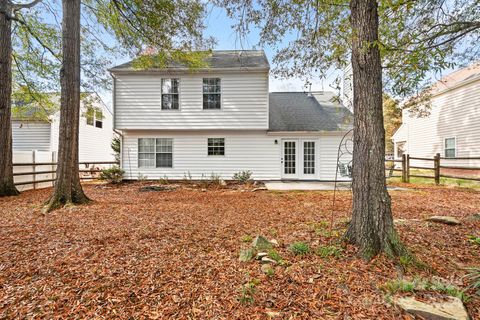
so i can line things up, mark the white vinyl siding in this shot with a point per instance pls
(244, 102)
(455, 113)
(245, 150)
(31, 135)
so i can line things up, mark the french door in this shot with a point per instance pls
(299, 159)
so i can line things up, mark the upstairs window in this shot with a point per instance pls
(216, 146)
(98, 118)
(211, 93)
(155, 153)
(94, 117)
(450, 148)
(170, 95)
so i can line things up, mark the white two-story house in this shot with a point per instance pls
(176, 123)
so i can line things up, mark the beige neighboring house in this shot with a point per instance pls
(453, 126)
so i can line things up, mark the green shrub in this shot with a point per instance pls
(163, 180)
(299, 248)
(329, 251)
(247, 292)
(243, 176)
(112, 175)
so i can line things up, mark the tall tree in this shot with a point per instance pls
(68, 189)
(7, 187)
(397, 37)
(7, 14)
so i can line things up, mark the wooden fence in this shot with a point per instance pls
(404, 166)
(33, 170)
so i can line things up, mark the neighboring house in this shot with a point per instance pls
(452, 127)
(33, 132)
(179, 123)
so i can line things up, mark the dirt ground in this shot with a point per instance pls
(174, 254)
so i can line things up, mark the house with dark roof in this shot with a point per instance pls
(220, 119)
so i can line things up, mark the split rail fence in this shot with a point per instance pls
(37, 169)
(436, 166)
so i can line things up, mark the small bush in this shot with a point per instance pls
(112, 175)
(299, 248)
(142, 177)
(247, 292)
(215, 179)
(163, 180)
(329, 251)
(243, 176)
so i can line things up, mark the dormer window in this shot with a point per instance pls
(211, 93)
(170, 95)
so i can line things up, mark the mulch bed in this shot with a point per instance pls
(132, 254)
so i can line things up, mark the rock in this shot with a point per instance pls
(273, 314)
(259, 189)
(261, 243)
(274, 242)
(260, 255)
(204, 190)
(223, 183)
(451, 309)
(267, 269)
(444, 219)
(474, 217)
(246, 254)
(267, 260)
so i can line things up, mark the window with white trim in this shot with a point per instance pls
(450, 148)
(155, 153)
(170, 94)
(216, 146)
(94, 117)
(212, 93)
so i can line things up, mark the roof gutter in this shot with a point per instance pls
(186, 70)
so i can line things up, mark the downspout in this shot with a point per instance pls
(114, 95)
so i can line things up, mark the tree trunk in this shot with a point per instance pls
(7, 188)
(68, 189)
(371, 228)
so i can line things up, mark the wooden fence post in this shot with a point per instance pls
(34, 176)
(436, 166)
(408, 168)
(404, 168)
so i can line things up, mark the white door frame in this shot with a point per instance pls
(299, 159)
(287, 175)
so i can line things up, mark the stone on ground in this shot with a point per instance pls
(450, 309)
(260, 255)
(268, 260)
(246, 254)
(261, 243)
(444, 219)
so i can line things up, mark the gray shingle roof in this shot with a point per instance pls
(220, 59)
(298, 111)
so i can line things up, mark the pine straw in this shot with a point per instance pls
(175, 254)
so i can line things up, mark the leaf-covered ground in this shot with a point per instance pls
(174, 254)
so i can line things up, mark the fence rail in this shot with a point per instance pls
(30, 174)
(437, 174)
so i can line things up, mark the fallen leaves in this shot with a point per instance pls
(175, 254)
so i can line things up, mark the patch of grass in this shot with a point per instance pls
(329, 251)
(396, 286)
(443, 181)
(247, 292)
(273, 254)
(247, 238)
(474, 239)
(299, 248)
(473, 279)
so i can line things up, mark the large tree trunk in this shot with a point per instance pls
(68, 189)
(7, 188)
(371, 228)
